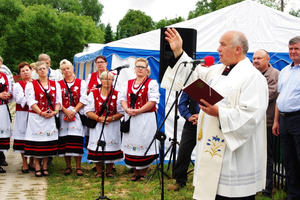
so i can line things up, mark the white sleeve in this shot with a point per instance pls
(30, 95)
(19, 95)
(239, 123)
(90, 107)
(88, 81)
(123, 92)
(58, 94)
(119, 106)
(83, 93)
(153, 91)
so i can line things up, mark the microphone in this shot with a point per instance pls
(120, 67)
(207, 61)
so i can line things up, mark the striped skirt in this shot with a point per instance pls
(4, 144)
(112, 156)
(70, 145)
(139, 161)
(19, 146)
(41, 149)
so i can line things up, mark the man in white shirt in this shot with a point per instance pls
(53, 75)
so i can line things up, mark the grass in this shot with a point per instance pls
(88, 187)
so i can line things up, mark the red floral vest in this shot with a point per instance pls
(75, 92)
(18, 106)
(40, 95)
(93, 81)
(2, 102)
(142, 98)
(99, 102)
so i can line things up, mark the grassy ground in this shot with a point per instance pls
(87, 187)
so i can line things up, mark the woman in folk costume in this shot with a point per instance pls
(21, 118)
(99, 102)
(5, 98)
(93, 80)
(71, 134)
(43, 98)
(145, 92)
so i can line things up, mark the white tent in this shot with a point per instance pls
(265, 28)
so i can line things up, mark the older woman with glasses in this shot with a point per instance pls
(43, 98)
(71, 134)
(103, 103)
(139, 99)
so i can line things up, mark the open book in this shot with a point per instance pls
(200, 90)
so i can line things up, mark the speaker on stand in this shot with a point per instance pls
(189, 38)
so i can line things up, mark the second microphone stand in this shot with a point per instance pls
(159, 135)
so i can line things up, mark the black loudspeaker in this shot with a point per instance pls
(189, 38)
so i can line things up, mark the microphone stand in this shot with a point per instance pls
(161, 136)
(102, 143)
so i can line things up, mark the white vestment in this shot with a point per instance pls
(242, 121)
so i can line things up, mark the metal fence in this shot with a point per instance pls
(279, 180)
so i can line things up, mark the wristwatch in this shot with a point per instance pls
(113, 118)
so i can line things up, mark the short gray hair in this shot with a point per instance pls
(107, 73)
(39, 63)
(294, 40)
(239, 39)
(44, 56)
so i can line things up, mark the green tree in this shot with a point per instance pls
(294, 12)
(34, 32)
(9, 12)
(41, 29)
(202, 7)
(276, 4)
(92, 8)
(134, 22)
(166, 22)
(109, 35)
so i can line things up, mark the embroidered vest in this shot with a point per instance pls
(40, 95)
(5, 88)
(66, 98)
(18, 106)
(93, 81)
(99, 102)
(142, 98)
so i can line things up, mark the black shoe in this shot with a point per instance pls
(25, 171)
(2, 170)
(3, 163)
(31, 168)
(267, 194)
(49, 163)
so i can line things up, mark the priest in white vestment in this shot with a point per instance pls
(231, 141)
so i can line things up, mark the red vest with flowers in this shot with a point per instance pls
(5, 88)
(99, 102)
(75, 88)
(142, 98)
(40, 95)
(18, 106)
(93, 81)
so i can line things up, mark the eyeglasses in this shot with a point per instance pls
(141, 67)
(106, 79)
(100, 62)
(43, 68)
